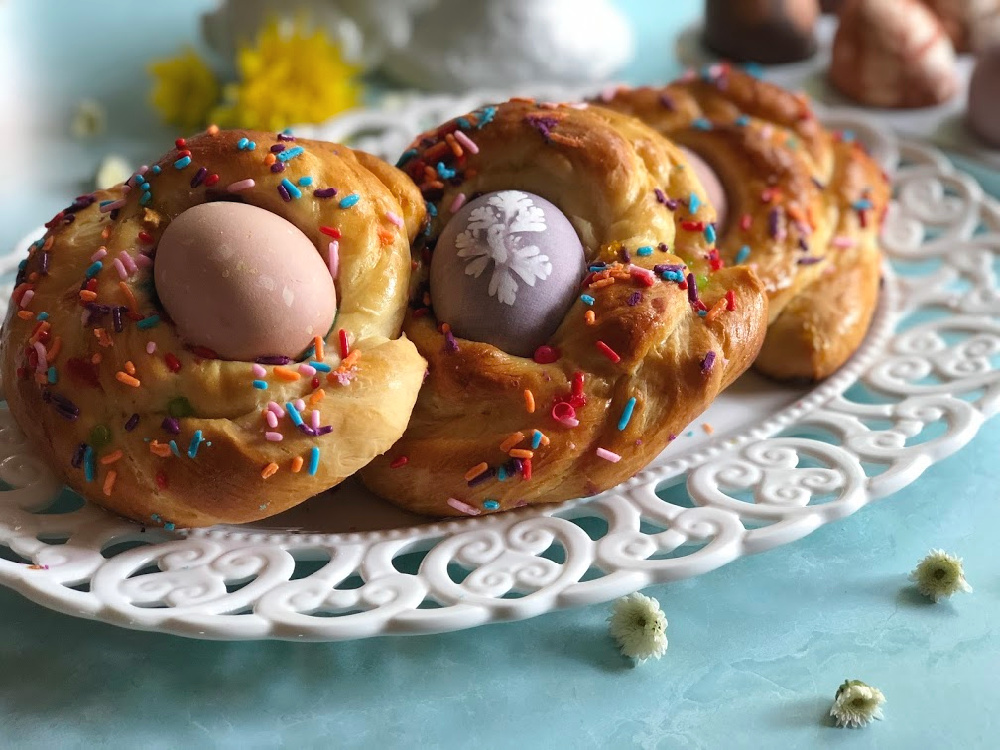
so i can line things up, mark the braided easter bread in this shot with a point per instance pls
(160, 428)
(652, 328)
(805, 207)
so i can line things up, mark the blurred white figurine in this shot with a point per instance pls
(464, 44)
(365, 29)
(451, 44)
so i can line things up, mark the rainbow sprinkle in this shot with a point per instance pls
(292, 191)
(89, 469)
(196, 441)
(463, 507)
(290, 153)
(608, 352)
(476, 471)
(466, 142)
(626, 416)
(529, 401)
(707, 363)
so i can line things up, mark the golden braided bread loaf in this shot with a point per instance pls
(654, 327)
(805, 207)
(145, 423)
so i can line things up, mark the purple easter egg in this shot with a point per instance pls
(505, 271)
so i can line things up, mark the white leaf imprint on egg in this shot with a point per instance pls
(490, 235)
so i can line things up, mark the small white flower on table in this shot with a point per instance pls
(856, 704)
(88, 120)
(113, 170)
(639, 626)
(939, 575)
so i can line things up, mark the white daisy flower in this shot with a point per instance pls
(639, 626)
(89, 119)
(939, 575)
(113, 170)
(856, 704)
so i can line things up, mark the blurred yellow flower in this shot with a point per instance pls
(290, 76)
(185, 90)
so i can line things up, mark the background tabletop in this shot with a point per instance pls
(757, 648)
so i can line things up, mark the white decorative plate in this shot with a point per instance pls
(779, 463)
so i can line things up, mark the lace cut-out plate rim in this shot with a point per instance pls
(926, 380)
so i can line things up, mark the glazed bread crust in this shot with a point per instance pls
(119, 372)
(481, 407)
(806, 203)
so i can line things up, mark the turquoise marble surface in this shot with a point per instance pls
(757, 648)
